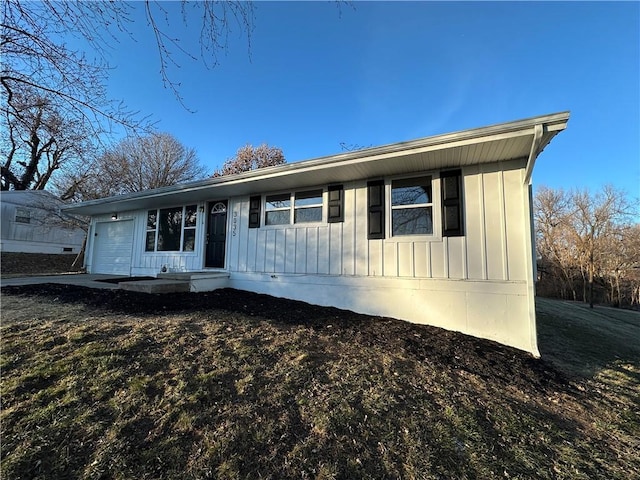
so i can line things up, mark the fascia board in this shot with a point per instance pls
(552, 122)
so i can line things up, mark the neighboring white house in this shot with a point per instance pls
(30, 222)
(436, 230)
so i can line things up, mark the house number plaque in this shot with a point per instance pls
(234, 224)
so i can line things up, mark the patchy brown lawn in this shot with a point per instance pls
(228, 384)
(19, 264)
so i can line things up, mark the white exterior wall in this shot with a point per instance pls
(38, 236)
(480, 283)
(493, 247)
(151, 263)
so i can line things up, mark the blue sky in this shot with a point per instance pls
(381, 72)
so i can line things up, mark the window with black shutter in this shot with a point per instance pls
(254, 211)
(452, 219)
(375, 209)
(411, 207)
(335, 204)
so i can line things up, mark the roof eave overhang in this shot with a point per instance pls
(523, 139)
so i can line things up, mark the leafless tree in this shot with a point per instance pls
(135, 164)
(621, 265)
(597, 219)
(39, 140)
(249, 158)
(631, 263)
(585, 239)
(553, 244)
(50, 90)
(35, 57)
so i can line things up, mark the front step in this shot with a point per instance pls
(156, 286)
(192, 275)
(200, 281)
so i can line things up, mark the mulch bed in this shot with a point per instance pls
(117, 280)
(487, 359)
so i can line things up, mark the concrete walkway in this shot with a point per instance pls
(80, 279)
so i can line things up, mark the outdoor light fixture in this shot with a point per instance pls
(114, 216)
(201, 209)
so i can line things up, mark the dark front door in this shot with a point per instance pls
(216, 234)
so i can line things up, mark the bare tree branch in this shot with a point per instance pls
(133, 165)
(585, 240)
(38, 65)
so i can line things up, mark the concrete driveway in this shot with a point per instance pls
(80, 279)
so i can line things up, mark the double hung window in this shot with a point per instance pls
(298, 207)
(408, 205)
(308, 207)
(277, 209)
(411, 206)
(171, 229)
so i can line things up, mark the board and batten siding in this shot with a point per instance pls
(151, 263)
(493, 247)
(478, 283)
(43, 233)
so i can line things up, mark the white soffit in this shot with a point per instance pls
(507, 141)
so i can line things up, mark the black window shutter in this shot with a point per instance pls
(254, 211)
(375, 209)
(452, 217)
(336, 204)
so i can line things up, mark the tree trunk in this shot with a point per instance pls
(591, 282)
(81, 252)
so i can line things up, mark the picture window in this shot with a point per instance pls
(171, 229)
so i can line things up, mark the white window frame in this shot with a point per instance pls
(303, 207)
(436, 210)
(278, 209)
(183, 228)
(292, 208)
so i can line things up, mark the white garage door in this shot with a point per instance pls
(112, 247)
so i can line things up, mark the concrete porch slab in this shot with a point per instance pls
(192, 275)
(156, 286)
(200, 281)
(79, 279)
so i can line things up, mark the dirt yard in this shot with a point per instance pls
(15, 264)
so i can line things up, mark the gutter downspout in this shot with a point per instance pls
(530, 238)
(533, 153)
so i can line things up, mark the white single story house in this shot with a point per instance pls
(31, 222)
(436, 230)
